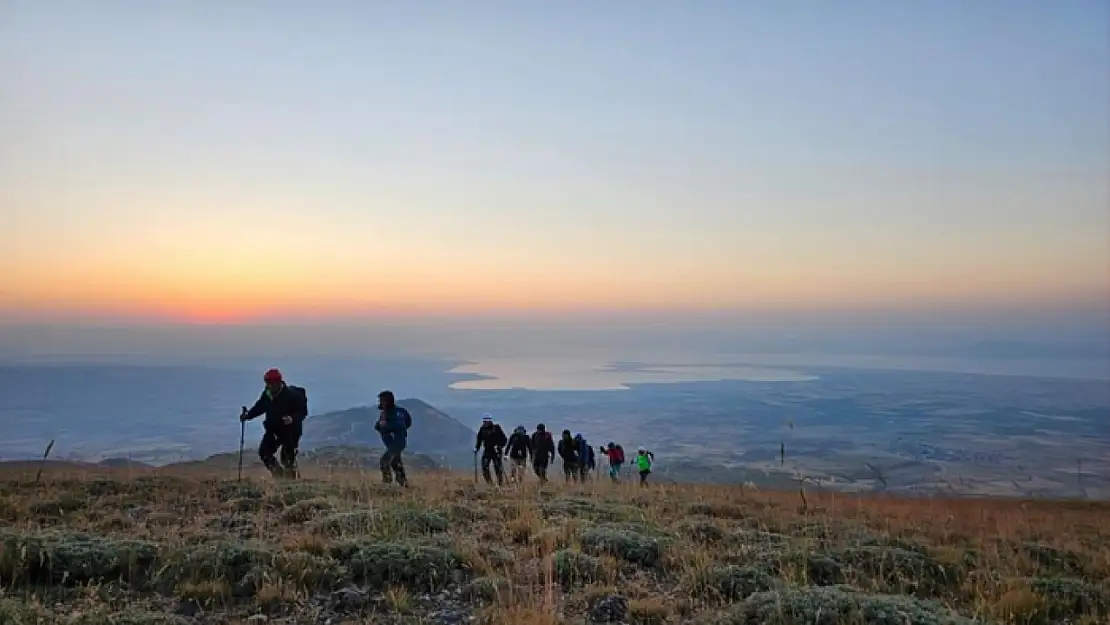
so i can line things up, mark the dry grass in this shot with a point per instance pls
(135, 543)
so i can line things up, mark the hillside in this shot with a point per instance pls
(331, 457)
(181, 547)
(434, 433)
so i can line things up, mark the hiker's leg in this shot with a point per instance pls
(385, 463)
(485, 468)
(290, 441)
(399, 469)
(499, 469)
(266, 450)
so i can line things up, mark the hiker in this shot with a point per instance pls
(568, 451)
(586, 460)
(492, 438)
(285, 407)
(644, 460)
(615, 453)
(543, 451)
(393, 425)
(519, 448)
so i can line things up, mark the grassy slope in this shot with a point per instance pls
(122, 546)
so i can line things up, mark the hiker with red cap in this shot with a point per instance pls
(285, 407)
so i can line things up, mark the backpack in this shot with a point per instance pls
(299, 390)
(518, 445)
(618, 454)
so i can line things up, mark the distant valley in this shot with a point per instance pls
(900, 431)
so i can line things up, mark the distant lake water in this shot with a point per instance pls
(565, 374)
(547, 373)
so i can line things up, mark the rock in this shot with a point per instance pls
(451, 617)
(189, 608)
(611, 609)
(257, 619)
(349, 599)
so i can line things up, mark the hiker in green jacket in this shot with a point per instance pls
(644, 460)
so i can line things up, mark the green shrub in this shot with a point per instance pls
(305, 510)
(54, 508)
(127, 617)
(72, 558)
(388, 522)
(491, 588)
(702, 531)
(579, 508)
(833, 605)
(716, 510)
(892, 568)
(226, 491)
(420, 567)
(1068, 598)
(731, 583)
(245, 566)
(1052, 559)
(16, 612)
(622, 543)
(219, 561)
(573, 567)
(296, 492)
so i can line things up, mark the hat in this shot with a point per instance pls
(272, 376)
(487, 418)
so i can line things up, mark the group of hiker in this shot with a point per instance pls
(285, 407)
(577, 454)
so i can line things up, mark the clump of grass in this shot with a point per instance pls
(838, 604)
(623, 543)
(420, 567)
(574, 568)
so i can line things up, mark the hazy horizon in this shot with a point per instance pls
(242, 163)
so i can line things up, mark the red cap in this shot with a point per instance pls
(273, 375)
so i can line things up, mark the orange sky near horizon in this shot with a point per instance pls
(159, 165)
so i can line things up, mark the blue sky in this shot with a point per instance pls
(212, 160)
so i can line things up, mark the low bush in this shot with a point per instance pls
(833, 605)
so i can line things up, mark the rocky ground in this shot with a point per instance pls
(185, 548)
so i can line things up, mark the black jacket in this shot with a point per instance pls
(290, 401)
(543, 447)
(492, 438)
(568, 450)
(520, 446)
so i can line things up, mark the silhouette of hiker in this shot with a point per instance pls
(285, 407)
(543, 451)
(519, 448)
(492, 440)
(568, 451)
(393, 425)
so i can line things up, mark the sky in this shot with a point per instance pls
(213, 162)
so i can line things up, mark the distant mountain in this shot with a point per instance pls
(123, 463)
(434, 433)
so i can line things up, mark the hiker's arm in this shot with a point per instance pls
(478, 442)
(259, 407)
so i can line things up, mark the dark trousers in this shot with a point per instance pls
(391, 465)
(570, 470)
(540, 468)
(644, 476)
(498, 468)
(283, 440)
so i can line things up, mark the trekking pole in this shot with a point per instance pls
(475, 467)
(242, 435)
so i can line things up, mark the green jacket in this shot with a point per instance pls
(643, 461)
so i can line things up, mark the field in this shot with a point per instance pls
(134, 546)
